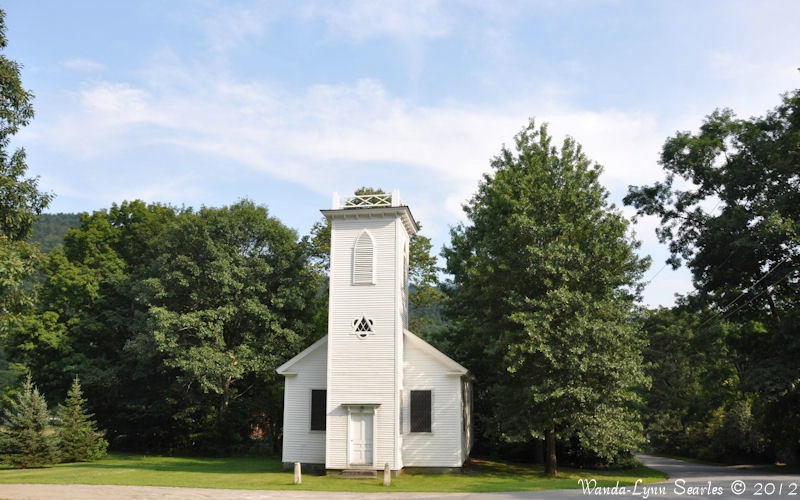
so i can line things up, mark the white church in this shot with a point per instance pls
(370, 392)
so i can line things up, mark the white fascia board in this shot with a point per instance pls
(453, 367)
(284, 368)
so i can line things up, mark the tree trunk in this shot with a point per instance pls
(550, 462)
(773, 309)
(225, 400)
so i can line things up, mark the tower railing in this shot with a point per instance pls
(367, 200)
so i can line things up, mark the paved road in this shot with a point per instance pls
(687, 481)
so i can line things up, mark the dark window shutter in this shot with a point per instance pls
(318, 401)
(420, 411)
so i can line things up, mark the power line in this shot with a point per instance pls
(657, 273)
(727, 314)
(759, 294)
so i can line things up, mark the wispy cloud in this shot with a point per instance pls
(363, 19)
(224, 26)
(79, 64)
(198, 112)
(330, 133)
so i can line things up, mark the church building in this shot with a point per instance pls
(370, 392)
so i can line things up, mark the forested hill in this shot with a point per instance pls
(50, 229)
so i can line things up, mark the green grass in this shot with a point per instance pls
(266, 474)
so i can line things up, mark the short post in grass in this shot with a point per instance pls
(298, 478)
(387, 475)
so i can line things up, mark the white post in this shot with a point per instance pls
(387, 475)
(298, 478)
(335, 202)
(396, 198)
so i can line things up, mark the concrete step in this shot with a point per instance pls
(359, 474)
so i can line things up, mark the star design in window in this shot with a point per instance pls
(363, 326)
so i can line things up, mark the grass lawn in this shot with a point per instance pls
(260, 473)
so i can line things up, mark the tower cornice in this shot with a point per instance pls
(370, 207)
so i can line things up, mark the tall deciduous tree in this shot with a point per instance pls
(20, 203)
(87, 321)
(174, 320)
(544, 281)
(730, 204)
(230, 302)
(694, 380)
(729, 207)
(20, 200)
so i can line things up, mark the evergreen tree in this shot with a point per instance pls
(77, 434)
(25, 441)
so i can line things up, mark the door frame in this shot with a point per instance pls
(368, 410)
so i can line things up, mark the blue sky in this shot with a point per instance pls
(201, 102)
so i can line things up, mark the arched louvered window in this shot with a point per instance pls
(364, 260)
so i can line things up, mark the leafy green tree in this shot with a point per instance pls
(174, 320)
(229, 304)
(20, 203)
(88, 315)
(729, 207)
(542, 298)
(24, 438)
(76, 432)
(693, 379)
(20, 200)
(7, 377)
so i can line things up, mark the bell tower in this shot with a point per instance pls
(368, 313)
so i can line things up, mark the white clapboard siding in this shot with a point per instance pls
(304, 372)
(371, 371)
(428, 369)
(364, 370)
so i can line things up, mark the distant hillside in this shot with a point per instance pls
(50, 229)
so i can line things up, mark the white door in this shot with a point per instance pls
(360, 439)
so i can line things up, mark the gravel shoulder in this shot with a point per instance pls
(105, 492)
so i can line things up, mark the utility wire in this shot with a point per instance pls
(759, 294)
(657, 273)
(726, 314)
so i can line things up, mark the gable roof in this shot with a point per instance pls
(286, 368)
(453, 367)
